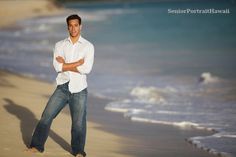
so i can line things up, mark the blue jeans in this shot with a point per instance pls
(78, 104)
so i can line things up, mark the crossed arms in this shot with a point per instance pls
(69, 66)
(82, 66)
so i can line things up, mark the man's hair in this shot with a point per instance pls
(72, 17)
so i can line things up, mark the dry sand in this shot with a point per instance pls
(22, 102)
(14, 10)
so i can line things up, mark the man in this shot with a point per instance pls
(73, 59)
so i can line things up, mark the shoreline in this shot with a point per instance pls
(144, 139)
(108, 132)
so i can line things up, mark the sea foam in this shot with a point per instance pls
(207, 78)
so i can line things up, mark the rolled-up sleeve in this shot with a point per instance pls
(56, 53)
(88, 61)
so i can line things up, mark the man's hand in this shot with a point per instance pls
(60, 59)
(80, 62)
(69, 66)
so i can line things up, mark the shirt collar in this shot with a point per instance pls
(81, 39)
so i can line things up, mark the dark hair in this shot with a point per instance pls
(72, 17)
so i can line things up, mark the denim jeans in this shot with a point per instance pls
(78, 104)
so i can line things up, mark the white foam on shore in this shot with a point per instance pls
(148, 94)
(108, 108)
(130, 113)
(225, 134)
(183, 124)
(196, 141)
(102, 96)
(193, 140)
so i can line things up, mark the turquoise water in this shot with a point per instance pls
(147, 61)
(186, 43)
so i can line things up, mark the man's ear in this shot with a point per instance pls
(80, 27)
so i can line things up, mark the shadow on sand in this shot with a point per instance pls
(28, 122)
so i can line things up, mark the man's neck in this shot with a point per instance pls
(74, 39)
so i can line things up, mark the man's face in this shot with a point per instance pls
(74, 28)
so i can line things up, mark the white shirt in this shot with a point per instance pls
(72, 53)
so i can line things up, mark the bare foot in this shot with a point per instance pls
(79, 155)
(32, 150)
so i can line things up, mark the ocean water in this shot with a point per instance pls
(154, 66)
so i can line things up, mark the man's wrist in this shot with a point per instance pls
(77, 63)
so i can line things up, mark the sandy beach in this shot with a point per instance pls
(22, 100)
(12, 11)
